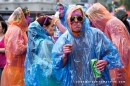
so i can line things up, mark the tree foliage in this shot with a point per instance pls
(126, 3)
(121, 2)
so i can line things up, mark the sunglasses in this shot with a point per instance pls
(79, 18)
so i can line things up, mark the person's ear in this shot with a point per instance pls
(45, 27)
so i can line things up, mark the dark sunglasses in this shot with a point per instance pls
(79, 18)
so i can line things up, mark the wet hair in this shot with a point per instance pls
(25, 11)
(44, 20)
(4, 26)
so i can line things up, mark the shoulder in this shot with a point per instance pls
(64, 35)
(115, 24)
(114, 21)
(95, 30)
(62, 39)
(34, 25)
(13, 28)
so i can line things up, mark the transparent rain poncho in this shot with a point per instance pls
(117, 33)
(15, 49)
(91, 43)
(38, 63)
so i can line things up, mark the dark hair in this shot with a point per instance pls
(44, 20)
(1, 18)
(59, 4)
(42, 14)
(4, 26)
(120, 14)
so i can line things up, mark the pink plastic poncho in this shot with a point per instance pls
(118, 34)
(15, 49)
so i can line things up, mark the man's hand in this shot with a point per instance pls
(101, 64)
(67, 48)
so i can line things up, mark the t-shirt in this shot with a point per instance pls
(2, 55)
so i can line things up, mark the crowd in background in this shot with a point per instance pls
(57, 50)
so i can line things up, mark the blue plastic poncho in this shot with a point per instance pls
(38, 63)
(92, 43)
(62, 19)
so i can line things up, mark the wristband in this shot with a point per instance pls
(55, 21)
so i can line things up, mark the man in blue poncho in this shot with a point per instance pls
(61, 20)
(78, 46)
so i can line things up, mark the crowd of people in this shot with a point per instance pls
(31, 55)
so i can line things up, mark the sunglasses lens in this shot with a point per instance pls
(72, 19)
(80, 19)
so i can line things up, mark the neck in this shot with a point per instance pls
(76, 34)
(1, 34)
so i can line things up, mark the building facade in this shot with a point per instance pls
(38, 6)
(33, 5)
(41, 5)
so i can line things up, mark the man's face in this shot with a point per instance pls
(76, 21)
(61, 10)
